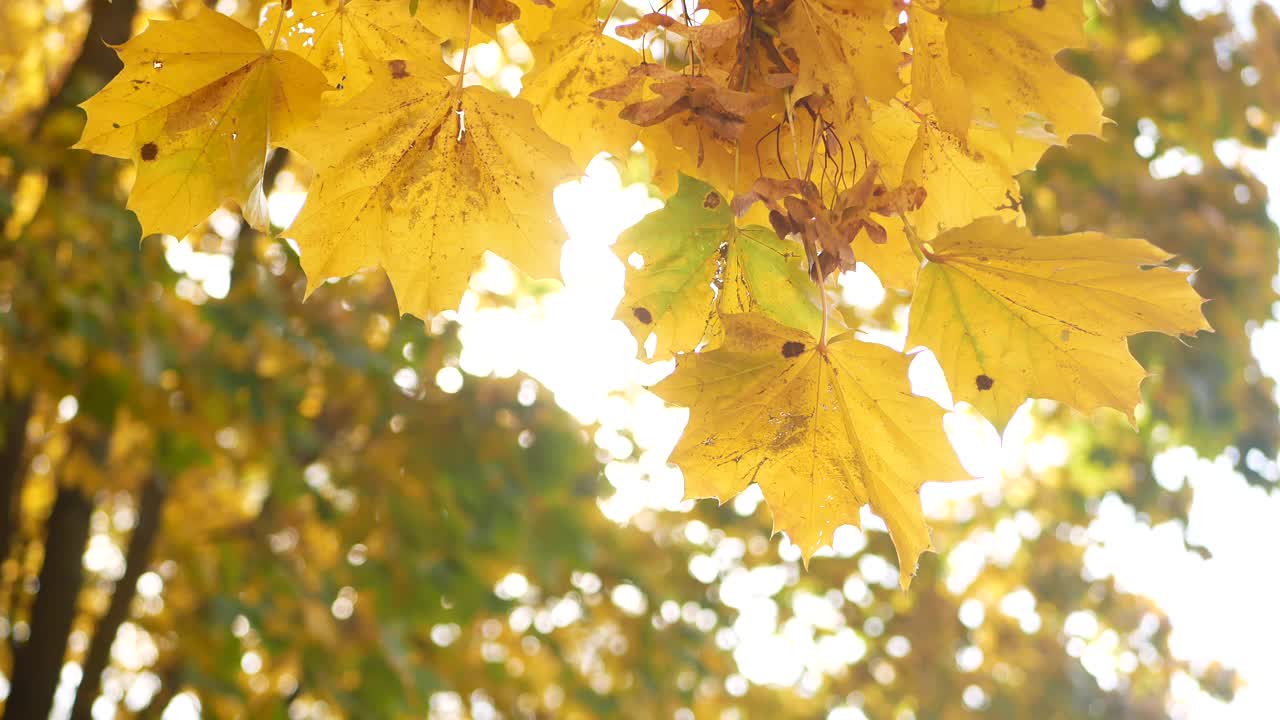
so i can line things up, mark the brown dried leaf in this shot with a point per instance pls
(708, 102)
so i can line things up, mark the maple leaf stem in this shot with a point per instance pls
(822, 295)
(795, 151)
(275, 34)
(684, 11)
(462, 72)
(605, 23)
(737, 144)
(922, 117)
(913, 238)
(791, 129)
(462, 66)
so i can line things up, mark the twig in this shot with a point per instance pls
(462, 71)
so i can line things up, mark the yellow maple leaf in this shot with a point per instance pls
(198, 122)
(845, 51)
(696, 265)
(932, 78)
(888, 132)
(822, 431)
(349, 40)
(448, 18)
(539, 16)
(963, 179)
(572, 61)
(893, 261)
(1012, 316)
(677, 147)
(406, 184)
(1002, 54)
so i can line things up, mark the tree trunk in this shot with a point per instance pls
(38, 663)
(13, 469)
(137, 558)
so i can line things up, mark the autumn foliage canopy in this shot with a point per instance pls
(794, 140)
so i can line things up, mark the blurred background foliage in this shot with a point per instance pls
(237, 504)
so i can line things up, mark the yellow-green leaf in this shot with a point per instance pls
(196, 107)
(821, 431)
(401, 186)
(695, 265)
(1012, 316)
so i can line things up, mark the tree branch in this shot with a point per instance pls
(137, 558)
(38, 663)
(13, 466)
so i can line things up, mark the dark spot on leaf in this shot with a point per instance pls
(399, 69)
(712, 200)
(791, 348)
(149, 151)
(115, 125)
(1038, 4)
(643, 315)
(984, 382)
